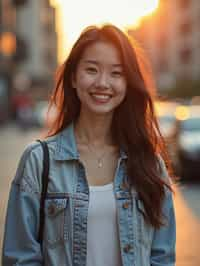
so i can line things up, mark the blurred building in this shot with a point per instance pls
(28, 48)
(7, 52)
(35, 23)
(171, 37)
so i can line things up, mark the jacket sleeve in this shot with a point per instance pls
(20, 246)
(164, 239)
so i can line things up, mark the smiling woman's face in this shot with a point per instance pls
(100, 79)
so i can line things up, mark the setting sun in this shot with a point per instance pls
(76, 14)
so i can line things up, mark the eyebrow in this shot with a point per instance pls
(96, 63)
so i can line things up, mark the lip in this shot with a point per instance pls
(99, 93)
(98, 100)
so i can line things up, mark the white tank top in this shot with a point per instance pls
(103, 246)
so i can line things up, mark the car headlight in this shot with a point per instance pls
(189, 146)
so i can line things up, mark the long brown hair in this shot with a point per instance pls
(134, 125)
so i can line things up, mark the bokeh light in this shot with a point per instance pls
(182, 112)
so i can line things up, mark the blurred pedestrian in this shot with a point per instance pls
(109, 199)
(22, 106)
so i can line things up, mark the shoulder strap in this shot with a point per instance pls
(45, 179)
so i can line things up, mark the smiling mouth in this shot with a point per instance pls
(102, 98)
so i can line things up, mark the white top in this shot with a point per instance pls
(102, 236)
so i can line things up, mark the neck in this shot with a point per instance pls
(96, 131)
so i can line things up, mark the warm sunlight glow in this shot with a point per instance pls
(182, 112)
(77, 14)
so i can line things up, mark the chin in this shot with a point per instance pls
(94, 109)
(100, 111)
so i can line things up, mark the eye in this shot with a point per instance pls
(91, 70)
(117, 73)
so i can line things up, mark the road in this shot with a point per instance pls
(187, 209)
(186, 198)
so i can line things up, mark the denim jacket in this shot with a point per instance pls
(66, 210)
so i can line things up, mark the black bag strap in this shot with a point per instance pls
(45, 179)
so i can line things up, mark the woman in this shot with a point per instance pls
(109, 198)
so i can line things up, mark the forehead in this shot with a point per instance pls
(102, 52)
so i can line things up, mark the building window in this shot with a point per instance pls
(48, 29)
(49, 58)
(186, 55)
(184, 3)
(162, 40)
(185, 28)
(162, 66)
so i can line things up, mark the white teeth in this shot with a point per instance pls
(104, 97)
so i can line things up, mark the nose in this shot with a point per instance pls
(103, 81)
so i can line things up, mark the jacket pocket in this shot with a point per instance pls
(55, 224)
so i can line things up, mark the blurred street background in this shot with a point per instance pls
(35, 38)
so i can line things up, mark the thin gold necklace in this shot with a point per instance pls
(98, 159)
(101, 158)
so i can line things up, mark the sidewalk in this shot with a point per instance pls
(12, 143)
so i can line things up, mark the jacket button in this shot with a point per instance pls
(51, 209)
(124, 185)
(125, 205)
(127, 248)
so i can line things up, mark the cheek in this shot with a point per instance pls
(84, 81)
(83, 84)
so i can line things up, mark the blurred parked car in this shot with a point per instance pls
(40, 113)
(166, 118)
(188, 143)
(43, 116)
(167, 124)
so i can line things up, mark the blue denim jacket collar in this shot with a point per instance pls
(66, 148)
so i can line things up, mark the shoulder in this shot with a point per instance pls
(34, 152)
(30, 166)
(162, 167)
